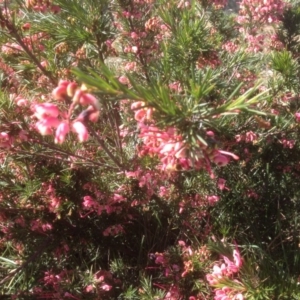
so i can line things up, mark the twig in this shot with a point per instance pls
(52, 147)
(14, 33)
(101, 143)
(114, 124)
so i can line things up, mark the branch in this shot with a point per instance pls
(52, 147)
(102, 144)
(14, 33)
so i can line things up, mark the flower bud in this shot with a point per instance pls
(71, 88)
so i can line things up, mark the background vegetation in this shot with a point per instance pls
(149, 150)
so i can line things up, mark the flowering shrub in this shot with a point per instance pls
(149, 150)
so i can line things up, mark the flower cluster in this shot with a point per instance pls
(226, 271)
(248, 137)
(42, 6)
(50, 117)
(169, 146)
(220, 3)
(267, 11)
(268, 15)
(102, 280)
(176, 85)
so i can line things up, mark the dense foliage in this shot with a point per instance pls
(149, 149)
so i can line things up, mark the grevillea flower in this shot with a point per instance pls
(81, 131)
(106, 287)
(222, 184)
(250, 137)
(237, 258)
(221, 160)
(44, 126)
(61, 132)
(213, 199)
(89, 99)
(45, 109)
(297, 116)
(226, 271)
(5, 140)
(60, 92)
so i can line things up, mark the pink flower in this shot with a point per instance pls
(163, 191)
(20, 101)
(212, 199)
(229, 153)
(45, 109)
(101, 275)
(250, 137)
(37, 225)
(140, 115)
(237, 258)
(118, 198)
(46, 226)
(26, 26)
(88, 202)
(134, 35)
(221, 295)
(231, 267)
(181, 243)
(172, 294)
(134, 49)
(55, 9)
(137, 105)
(89, 99)
(44, 64)
(61, 132)
(113, 230)
(212, 280)
(159, 259)
(176, 86)
(221, 184)
(45, 125)
(81, 131)
(106, 287)
(238, 138)
(5, 140)
(54, 204)
(218, 272)
(221, 160)
(89, 288)
(60, 92)
(71, 89)
(297, 116)
(123, 80)
(288, 143)
(180, 150)
(130, 66)
(183, 4)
